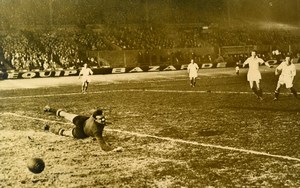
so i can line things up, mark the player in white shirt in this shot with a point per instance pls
(192, 69)
(85, 79)
(254, 74)
(287, 71)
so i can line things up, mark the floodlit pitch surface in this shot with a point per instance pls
(216, 134)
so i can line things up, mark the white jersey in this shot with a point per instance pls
(253, 72)
(288, 72)
(85, 72)
(193, 70)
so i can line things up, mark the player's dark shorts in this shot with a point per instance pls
(79, 122)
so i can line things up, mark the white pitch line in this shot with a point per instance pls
(208, 145)
(206, 91)
(136, 90)
(173, 140)
(57, 94)
(198, 91)
(33, 118)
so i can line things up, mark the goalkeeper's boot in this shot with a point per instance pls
(58, 131)
(47, 108)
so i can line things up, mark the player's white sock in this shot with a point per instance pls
(58, 112)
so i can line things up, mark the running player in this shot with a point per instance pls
(237, 67)
(85, 126)
(287, 71)
(84, 75)
(254, 74)
(193, 72)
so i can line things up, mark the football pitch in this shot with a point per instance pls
(172, 135)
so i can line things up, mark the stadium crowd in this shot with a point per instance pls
(32, 50)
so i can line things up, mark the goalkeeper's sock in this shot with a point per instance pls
(58, 131)
(61, 132)
(58, 112)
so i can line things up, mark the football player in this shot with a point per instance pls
(84, 75)
(192, 70)
(254, 74)
(237, 67)
(287, 72)
(85, 126)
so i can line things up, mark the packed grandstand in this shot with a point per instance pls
(51, 38)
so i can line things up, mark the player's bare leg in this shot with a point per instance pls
(194, 82)
(254, 89)
(251, 84)
(259, 91)
(83, 87)
(277, 92)
(237, 71)
(86, 86)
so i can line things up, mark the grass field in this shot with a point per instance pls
(214, 135)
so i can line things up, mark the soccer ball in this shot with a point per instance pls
(36, 165)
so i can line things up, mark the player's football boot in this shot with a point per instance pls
(58, 131)
(47, 108)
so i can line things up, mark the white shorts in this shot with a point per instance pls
(253, 76)
(193, 75)
(287, 80)
(85, 79)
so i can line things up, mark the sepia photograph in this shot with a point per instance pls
(149, 93)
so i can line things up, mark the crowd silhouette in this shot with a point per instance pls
(56, 49)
